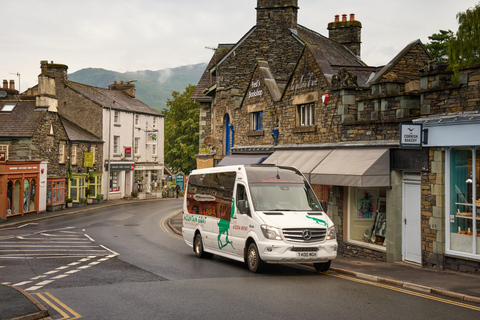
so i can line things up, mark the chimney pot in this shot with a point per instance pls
(337, 18)
(121, 81)
(352, 16)
(12, 84)
(5, 84)
(344, 17)
(115, 81)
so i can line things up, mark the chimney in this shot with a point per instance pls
(12, 84)
(54, 70)
(346, 32)
(5, 84)
(272, 14)
(127, 87)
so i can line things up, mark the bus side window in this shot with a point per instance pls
(242, 196)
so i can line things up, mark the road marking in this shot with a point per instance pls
(164, 226)
(413, 293)
(65, 311)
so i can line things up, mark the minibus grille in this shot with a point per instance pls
(305, 235)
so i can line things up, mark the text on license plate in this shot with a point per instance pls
(306, 254)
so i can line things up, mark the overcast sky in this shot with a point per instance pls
(134, 35)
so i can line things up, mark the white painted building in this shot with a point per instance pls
(134, 145)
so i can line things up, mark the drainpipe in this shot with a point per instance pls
(109, 148)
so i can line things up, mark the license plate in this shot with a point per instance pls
(306, 254)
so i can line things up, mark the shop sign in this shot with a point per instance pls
(411, 136)
(128, 152)
(88, 159)
(151, 137)
(120, 167)
(3, 156)
(305, 81)
(180, 179)
(256, 90)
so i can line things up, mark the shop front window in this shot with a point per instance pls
(367, 215)
(464, 204)
(26, 195)
(77, 188)
(33, 192)
(114, 181)
(56, 192)
(17, 198)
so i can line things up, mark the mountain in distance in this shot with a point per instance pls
(152, 87)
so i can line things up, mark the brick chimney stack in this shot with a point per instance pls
(346, 32)
(128, 88)
(272, 14)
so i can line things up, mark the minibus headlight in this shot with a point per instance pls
(331, 235)
(271, 233)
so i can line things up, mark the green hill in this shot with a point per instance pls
(152, 87)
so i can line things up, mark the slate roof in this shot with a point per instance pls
(22, 121)
(77, 134)
(335, 54)
(115, 99)
(204, 83)
(327, 52)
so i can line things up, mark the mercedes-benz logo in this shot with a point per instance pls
(307, 234)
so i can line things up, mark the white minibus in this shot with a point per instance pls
(257, 214)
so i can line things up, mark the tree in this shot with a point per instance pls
(181, 131)
(438, 47)
(464, 48)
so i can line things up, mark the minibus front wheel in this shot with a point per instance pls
(254, 262)
(322, 267)
(198, 247)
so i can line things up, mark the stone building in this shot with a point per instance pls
(131, 161)
(36, 142)
(290, 94)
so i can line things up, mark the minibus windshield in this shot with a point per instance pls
(283, 197)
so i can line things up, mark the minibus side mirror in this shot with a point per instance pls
(323, 204)
(243, 208)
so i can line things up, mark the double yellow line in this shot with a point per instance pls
(413, 293)
(60, 307)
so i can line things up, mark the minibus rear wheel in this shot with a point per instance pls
(198, 247)
(254, 262)
(322, 267)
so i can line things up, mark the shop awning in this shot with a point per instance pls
(236, 159)
(303, 160)
(354, 167)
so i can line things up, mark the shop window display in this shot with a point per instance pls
(464, 189)
(367, 215)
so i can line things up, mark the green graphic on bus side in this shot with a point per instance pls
(223, 226)
(318, 221)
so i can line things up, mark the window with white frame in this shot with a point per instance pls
(4, 148)
(154, 150)
(137, 120)
(74, 155)
(61, 152)
(137, 146)
(306, 115)
(256, 121)
(116, 144)
(116, 117)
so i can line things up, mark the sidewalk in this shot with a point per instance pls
(461, 286)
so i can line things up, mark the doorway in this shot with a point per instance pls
(411, 217)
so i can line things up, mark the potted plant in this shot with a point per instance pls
(135, 193)
(69, 202)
